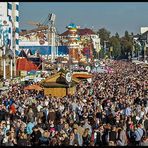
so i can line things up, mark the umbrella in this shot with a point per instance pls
(33, 87)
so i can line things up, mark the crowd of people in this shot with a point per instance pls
(112, 110)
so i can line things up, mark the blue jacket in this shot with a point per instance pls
(29, 128)
(11, 101)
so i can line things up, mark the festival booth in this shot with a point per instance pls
(57, 85)
(83, 74)
(33, 87)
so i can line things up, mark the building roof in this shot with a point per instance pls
(85, 76)
(81, 32)
(22, 54)
(25, 64)
(143, 36)
(28, 52)
(72, 25)
(58, 80)
(54, 85)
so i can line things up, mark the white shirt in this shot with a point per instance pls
(39, 107)
(141, 114)
(46, 103)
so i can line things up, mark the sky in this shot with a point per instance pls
(114, 16)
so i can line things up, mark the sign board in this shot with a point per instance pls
(88, 68)
(23, 42)
(68, 77)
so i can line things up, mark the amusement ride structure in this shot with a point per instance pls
(44, 34)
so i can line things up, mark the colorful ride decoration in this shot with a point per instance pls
(73, 42)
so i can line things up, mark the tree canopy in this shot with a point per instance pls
(120, 45)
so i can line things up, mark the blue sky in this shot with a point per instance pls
(116, 17)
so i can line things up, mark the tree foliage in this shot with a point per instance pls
(104, 35)
(121, 45)
(115, 43)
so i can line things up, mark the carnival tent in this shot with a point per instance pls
(26, 65)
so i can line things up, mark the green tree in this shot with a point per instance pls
(115, 43)
(127, 37)
(127, 44)
(104, 35)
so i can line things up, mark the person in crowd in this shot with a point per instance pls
(112, 110)
(86, 137)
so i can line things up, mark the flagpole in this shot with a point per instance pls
(11, 68)
(11, 47)
(4, 56)
(4, 63)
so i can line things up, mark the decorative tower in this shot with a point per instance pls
(73, 42)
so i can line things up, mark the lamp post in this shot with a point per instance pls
(4, 63)
(11, 58)
(144, 51)
(11, 68)
(105, 46)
